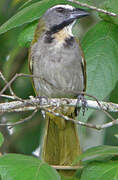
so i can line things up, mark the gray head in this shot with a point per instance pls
(59, 16)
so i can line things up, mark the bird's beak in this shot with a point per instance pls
(78, 13)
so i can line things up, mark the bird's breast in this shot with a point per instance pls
(58, 66)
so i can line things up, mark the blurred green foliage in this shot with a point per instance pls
(13, 59)
(100, 45)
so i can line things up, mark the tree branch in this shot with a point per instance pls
(49, 105)
(94, 8)
(34, 102)
(44, 104)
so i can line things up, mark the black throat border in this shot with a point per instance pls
(56, 28)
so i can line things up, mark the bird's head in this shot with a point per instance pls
(60, 16)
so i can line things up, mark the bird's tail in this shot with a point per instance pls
(61, 143)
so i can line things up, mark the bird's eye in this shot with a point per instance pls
(60, 9)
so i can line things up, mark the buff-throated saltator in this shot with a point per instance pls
(58, 65)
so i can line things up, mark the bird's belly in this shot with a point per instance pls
(58, 79)
(59, 70)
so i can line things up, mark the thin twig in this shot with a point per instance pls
(10, 89)
(3, 78)
(94, 8)
(97, 127)
(69, 119)
(66, 167)
(12, 80)
(8, 97)
(21, 121)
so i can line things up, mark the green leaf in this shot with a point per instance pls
(26, 15)
(101, 171)
(26, 36)
(30, 14)
(98, 151)
(100, 46)
(101, 53)
(17, 167)
(28, 3)
(1, 139)
(110, 5)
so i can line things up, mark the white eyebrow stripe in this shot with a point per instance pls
(63, 6)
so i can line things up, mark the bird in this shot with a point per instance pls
(57, 63)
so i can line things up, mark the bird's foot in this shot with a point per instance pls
(43, 100)
(82, 99)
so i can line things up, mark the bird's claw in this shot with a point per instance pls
(82, 99)
(43, 99)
